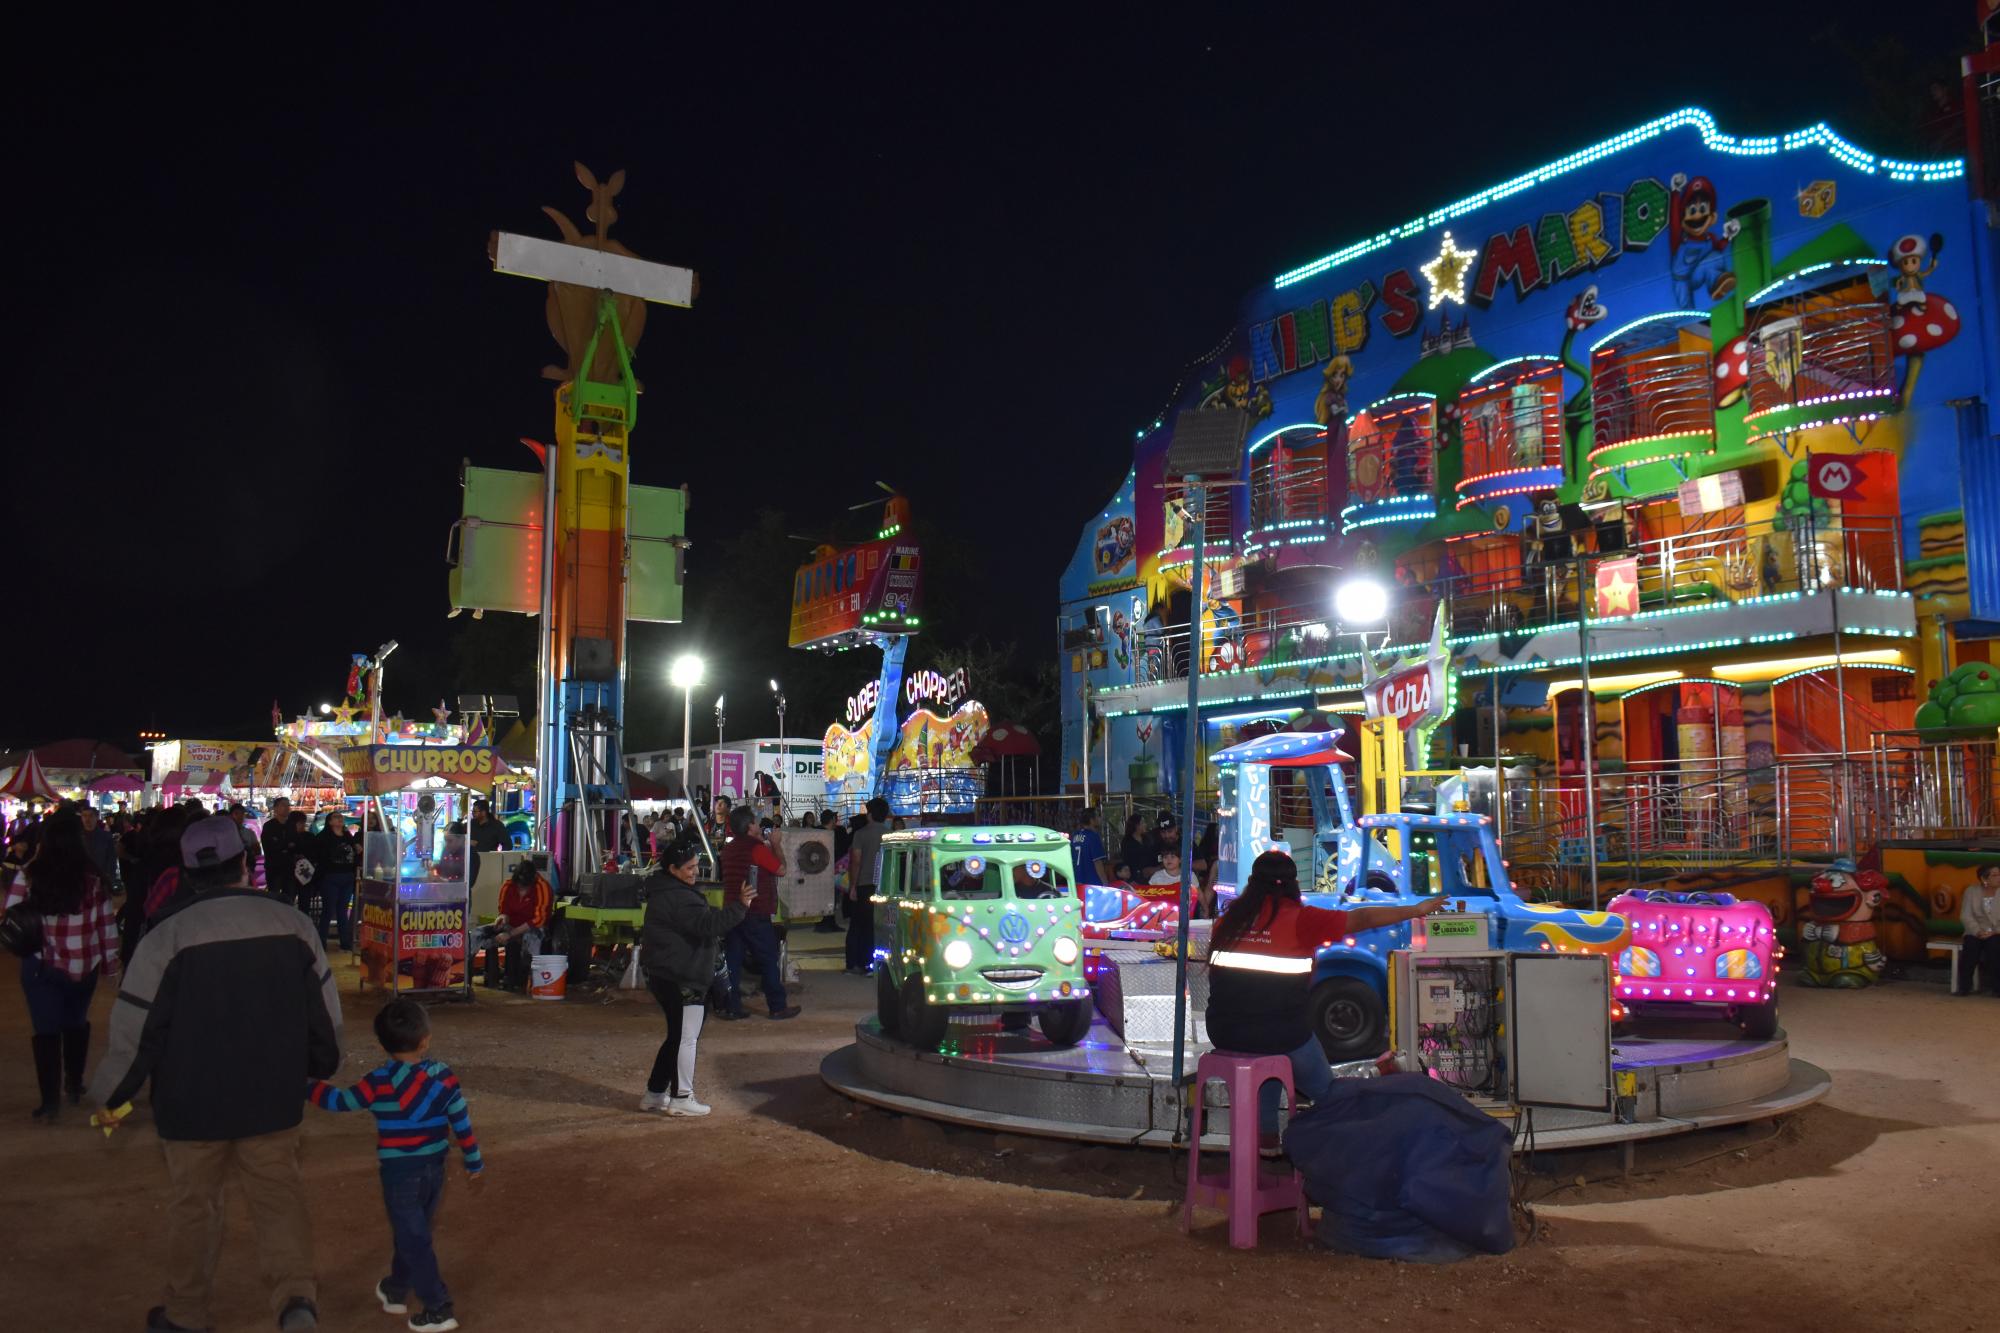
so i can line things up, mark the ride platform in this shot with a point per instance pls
(1684, 1076)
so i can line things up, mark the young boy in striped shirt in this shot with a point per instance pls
(415, 1101)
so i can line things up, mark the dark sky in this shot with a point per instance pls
(254, 331)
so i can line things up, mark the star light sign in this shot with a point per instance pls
(1447, 273)
(1618, 587)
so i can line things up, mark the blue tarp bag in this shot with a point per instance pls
(1405, 1168)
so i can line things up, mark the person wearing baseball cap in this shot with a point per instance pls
(228, 1006)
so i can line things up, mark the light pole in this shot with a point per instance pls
(784, 754)
(718, 720)
(1364, 602)
(685, 673)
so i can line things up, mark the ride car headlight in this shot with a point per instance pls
(957, 954)
(1065, 951)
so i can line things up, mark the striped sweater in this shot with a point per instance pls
(414, 1104)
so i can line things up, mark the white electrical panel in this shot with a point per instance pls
(1559, 1030)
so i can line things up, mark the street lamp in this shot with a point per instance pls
(1361, 601)
(324, 709)
(784, 755)
(685, 673)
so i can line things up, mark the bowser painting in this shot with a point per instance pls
(1839, 928)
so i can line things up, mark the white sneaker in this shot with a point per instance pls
(685, 1106)
(654, 1101)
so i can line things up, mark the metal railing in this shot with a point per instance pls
(1664, 393)
(1512, 425)
(1288, 486)
(1820, 353)
(1392, 449)
(1717, 566)
(1924, 786)
(1658, 824)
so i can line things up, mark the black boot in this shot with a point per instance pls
(492, 978)
(48, 1073)
(75, 1050)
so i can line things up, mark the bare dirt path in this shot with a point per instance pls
(791, 1208)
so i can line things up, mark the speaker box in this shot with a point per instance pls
(608, 890)
(591, 659)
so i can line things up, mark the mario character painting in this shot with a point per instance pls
(1113, 548)
(1839, 929)
(1698, 249)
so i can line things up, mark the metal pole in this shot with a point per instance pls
(1840, 688)
(1083, 708)
(1589, 727)
(545, 757)
(1200, 519)
(687, 769)
(1499, 771)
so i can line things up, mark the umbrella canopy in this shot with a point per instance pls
(28, 782)
(643, 788)
(111, 782)
(1005, 741)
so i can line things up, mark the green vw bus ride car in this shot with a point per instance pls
(983, 919)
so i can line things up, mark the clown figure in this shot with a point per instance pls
(1698, 249)
(1839, 928)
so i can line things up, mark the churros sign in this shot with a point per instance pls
(370, 770)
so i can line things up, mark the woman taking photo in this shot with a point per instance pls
(1260, 961)
(677, 951)
(79, 941)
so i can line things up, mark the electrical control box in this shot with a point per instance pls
(1507, 1030)
(1447, 1012)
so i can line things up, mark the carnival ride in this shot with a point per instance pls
(978, 919)
(864, 595)
(1116, 1084)
(579, 545)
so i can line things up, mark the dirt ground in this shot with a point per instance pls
(792, 1208)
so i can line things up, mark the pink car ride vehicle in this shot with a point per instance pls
(1710, 950)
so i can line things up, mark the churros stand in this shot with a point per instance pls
(413, 900)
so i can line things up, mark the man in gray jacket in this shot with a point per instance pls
(228, 1006)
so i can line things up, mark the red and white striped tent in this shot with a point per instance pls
(28, 782)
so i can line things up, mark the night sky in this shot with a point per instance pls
(254, 329)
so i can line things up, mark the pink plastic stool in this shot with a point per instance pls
(1249, 1189)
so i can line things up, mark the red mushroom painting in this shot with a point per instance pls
(1732, 371)
(1919, 321)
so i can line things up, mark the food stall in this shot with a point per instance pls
(412, 896)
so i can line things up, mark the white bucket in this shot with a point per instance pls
(548, 976)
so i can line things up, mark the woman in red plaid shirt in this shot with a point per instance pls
(79, 941)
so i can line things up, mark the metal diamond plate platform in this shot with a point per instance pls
(1108, 1090)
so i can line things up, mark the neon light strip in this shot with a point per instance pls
(1848, 396)
(1642, 321)
(1817, 268)
(1679, 680)
(1303, 425)
(1701, 433)
(1847, 666)
(1542, 362)
(1714, 139)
